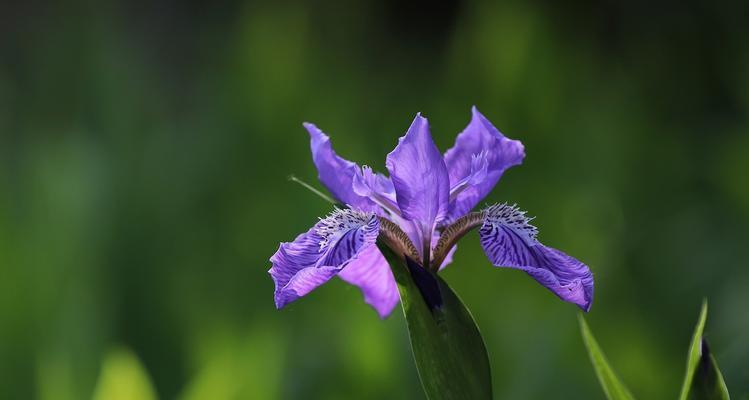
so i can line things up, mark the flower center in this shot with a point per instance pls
(498, 216)
(397, 240)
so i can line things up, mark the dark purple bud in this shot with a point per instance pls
(427, 283)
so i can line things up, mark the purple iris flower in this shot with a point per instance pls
(419, 211)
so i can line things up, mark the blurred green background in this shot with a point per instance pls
(145, 146)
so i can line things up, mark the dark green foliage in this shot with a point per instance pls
(447, 346)
(612, 386)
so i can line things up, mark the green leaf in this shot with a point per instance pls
(122, 377)
(447, 346)
(708, 383)
(694, 353)
(703, 380)
(612, 386)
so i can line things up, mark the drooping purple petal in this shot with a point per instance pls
(335, 172)
(294, 269)
(420, 178)
(372, 274)
(320, 253)
(510, 241)
(501, 153)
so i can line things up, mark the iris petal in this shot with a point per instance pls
(448, 257)
(501, 153)
(320, 253)
(372, 274)
(376, 187)
(510, 241)
(334, 172)
(420, 179)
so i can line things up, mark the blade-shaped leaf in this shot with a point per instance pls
(708, 383)
(703, 380)
(123, 377)
(612, 386)
(694, 352)
(447, 346)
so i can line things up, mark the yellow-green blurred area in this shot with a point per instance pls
(144, 154)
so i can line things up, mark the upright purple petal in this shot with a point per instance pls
(320, 253)
(510, 241)
(371, 273)
(501, 153)
(376, 187)
(333, 171)
(419, 175)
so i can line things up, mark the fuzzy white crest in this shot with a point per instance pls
(512, 217)
(339, 222)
